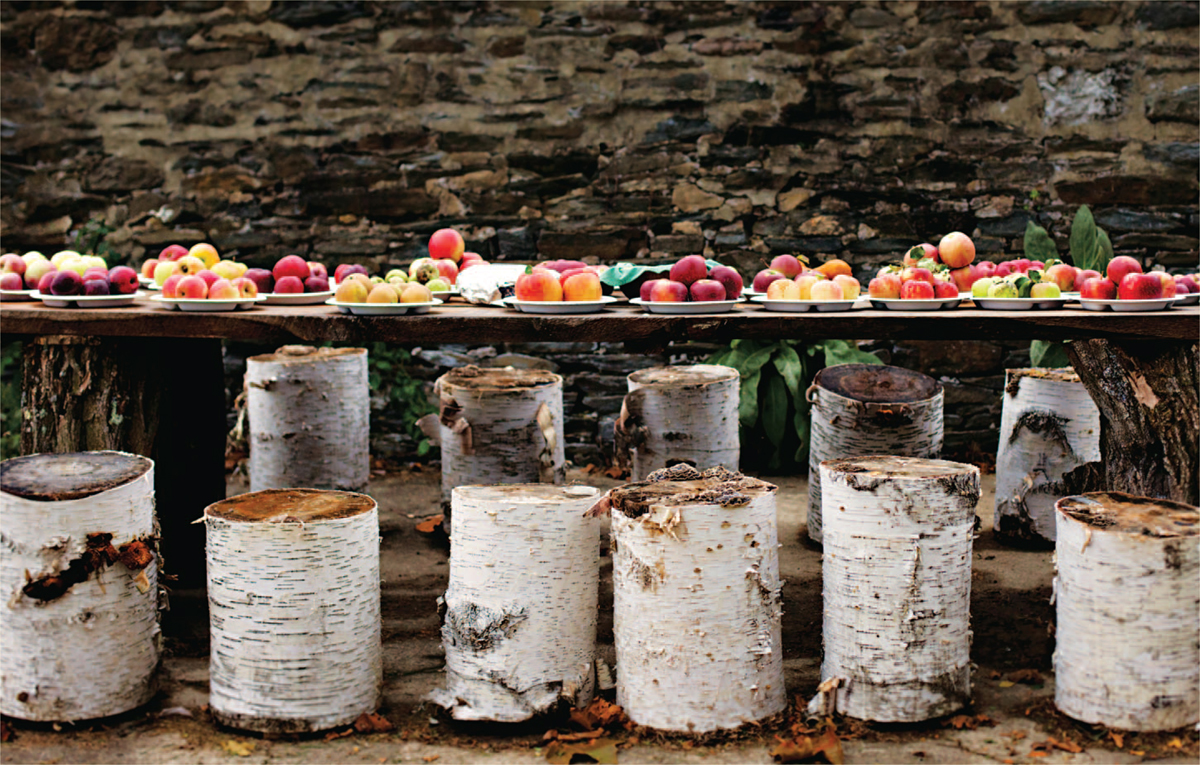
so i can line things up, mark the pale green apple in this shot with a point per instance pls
(1002, 289)
(396, 273)
(31, 256)
(438, 285)
(981, 286)
(1045, 290)
(95, 261)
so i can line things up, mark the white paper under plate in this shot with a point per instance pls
(1192, 298)
(17, 296)
(383, 309)
(85, 301)
(802, 306)
(295, 298)
(558, 307)
(1018, 304)
(1159, 304)
(684, 309)
(206, 305)
(896, 304)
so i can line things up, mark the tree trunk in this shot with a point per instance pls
(897, 587)
(310, 419)
(1127, 639)
(293, 598)
(1048, 427)
(520, 626)
(89, 394)
(1147, 394)
(679, 414)
(80, 630)
(697, 611)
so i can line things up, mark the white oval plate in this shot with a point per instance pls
(801, 306)
(558, 307)
(383, 309)
(1159, 304)
(91, 301)
(684, 309)
(1192, 298)
(897, 304)
(295, 298)
(17, 296)
(1018, 304)
(205, 305)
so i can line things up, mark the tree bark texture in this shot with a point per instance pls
(310, 419)
(1147, 393)
(1127, 641)
(1048, 427)
(500, 426)
(697, 610)
(80, 627)
(161, 398)
(520, 622)
(293, 597)
(869, 409)
(679, 414)
(897, 587)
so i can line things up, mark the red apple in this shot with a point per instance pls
(917, 274)
(317, 269)
(730, 279)
(148, 268)
(262, 279)
(446, 243)
(66, 283)
(470, 259)
(1137, 286)
(668, 291)
(919, 253)
(1004, 268)
(917, 289)
(788, 265)
(985, 269)
(11, 281)
(447, 268)
(956, 249)
(689, 269)
(1185, 283)
(44, 283)
(1036, 265)
(763, 279)
(1168, 283)
(343, 270)
(12, 263)
(246, 287)
(540, 284)
(210, 277)
(223, 289)
(95, 273)
(1062, 275)
(707, 290)
(123, 280)
(95, 287)
(646, 288)
(291, 265)
(964, 277)
(316, 284)
(192, 288)
(1085, 274)
(1121, 265)
(289, 285)
(944, 289)
(170, 287)
(172, 252)
(885, 286)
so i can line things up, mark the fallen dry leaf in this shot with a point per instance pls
(805, 748)
(371, 722)
(1006, 684)
(331, 735)
(1175, 743)
(429, 525)
(431, 757)
(239, 748)
(599, 714)
(1053, 743)
(600, 750)
(1118, 738)
(970, 722)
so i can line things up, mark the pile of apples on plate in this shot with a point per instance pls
(198, 272)
(560, 280)
(787, 278)
(1125, 280)
(691, 280)
(66, 273)
(928, 272)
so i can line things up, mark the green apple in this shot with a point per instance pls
(396, 273)
(981, 286)
(438, 285)
(94, 261)
(1045, 290)
(62, 255)
(1002, 289)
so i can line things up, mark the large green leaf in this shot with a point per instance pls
(1038, 244)
(1048, 354)
(1090, 246)
(775, 409)
(748, 400)
(845, 352)
(787, 361)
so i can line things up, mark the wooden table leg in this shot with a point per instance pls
(161, 398)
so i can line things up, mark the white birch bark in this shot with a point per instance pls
(896, 568)
(310, 418)
(679, 413)
(1127, 641)
(1048, 427)
(697, 609)
(520, 621)
(93, 650)
(500, 426)
(293, 594)
(889, 410)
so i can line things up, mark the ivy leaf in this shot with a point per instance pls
(1038, 244)
(1048, 354)
(775, 409)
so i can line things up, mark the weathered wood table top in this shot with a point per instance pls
(459, 322)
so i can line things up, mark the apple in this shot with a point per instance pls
(981, 286)
(289, 285)
(964, 277)
(917, 289)
(262, 279)
(1185, 283)
(165, 269)
(689, 269)
(170, 288)
(1002, 288)
(383, 293)
(922, 251)
(291, 265)
(351, 291)
(730, 279)
(316, 284)
(173, 252)
(943, 289)
(12, 263)
(470, 257)
(584, 285)
(416, 293)
(434, 285)
(805, 284)
(31, 256)
(668, 291)
(1005, 268)
(447, 269)
(1121, 265)
(563, 265)
(826, 290)
(915, 273)
(423, 269)
(1098, 288)
(540, 284)
(227, 269)
(1085, 274)
(446, 243)
(190, 265)
(1062, 275)
(1168, 283)
(707, 291)
(777, 289)
(317, 269)
(78, 265)
(95, 287)
(984, 269)
(66, 283)
(343, 271)
(788, 265)
(47, 279)
(63, 256)
(246, 288)
(222, 289)
(763, 278)
(95, 273)
(11, 280)
(148, 267)
(208, 276)
(122, 280)
(1045, 290)
(885, 287)
(1138, 286)
(192, 287)
(850, 286)
(206, 252)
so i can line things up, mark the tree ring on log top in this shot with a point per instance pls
(866, 473)
(1121, 512)
(1065, 375)
(76, 475)
(291, 505)
(635, 500)
(476, 378)
(683, 375)
(877, 383)
(304, 354)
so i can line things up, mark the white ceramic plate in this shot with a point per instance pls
(295, 298)
(205, 305)
(1191, 298)
(684, 309)
(383, 309)
(801, 306)
(558, 307)
(17, 296)
(896, 304)
(1093, 304)
(89, 301)
(1018, 304)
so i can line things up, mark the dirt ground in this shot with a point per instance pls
(1012, 718)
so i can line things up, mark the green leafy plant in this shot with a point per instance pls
(91, 239)
(773, 408)
(10, 400)
(387, 375)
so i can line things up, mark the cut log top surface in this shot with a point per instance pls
(305, 354)
(683, 375)
(291, 505)
(1065, 375)
(56, 477)
(877, 383)
(898, 467)
(525, 493)
(1117, 511)
(476, 378)
(684, 485)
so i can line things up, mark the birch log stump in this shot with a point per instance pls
(80, 576)
(865, 409)
(520, 623)
(500, 426)
(1127, 643)
(897, 587)
(310, 419)
(697, 610)
(679, 414)
(293, 598)
(1048, 427)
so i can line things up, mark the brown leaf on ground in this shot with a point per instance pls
(806, 748)
(372, 722)
(1027, 677)
(600, 750)
(599, 715)
(1053, 743)
(6, 733)
(431, 757)
(586, 735)
(429, 525)
(331, 735)
(1118, 738)
(970, 722)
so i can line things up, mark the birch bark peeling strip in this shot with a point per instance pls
(87, 648)
(1127, 642)
(293, 594)
(896, 567)
(865, 409)
(696, 603)
(310, 418)
(502, 441)
(520, 623)
(1048, 427)
(681, 413)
